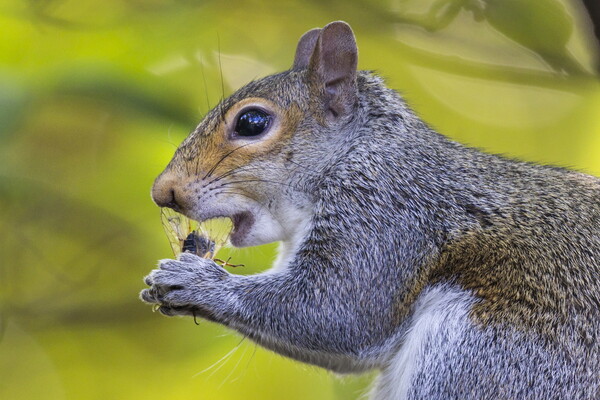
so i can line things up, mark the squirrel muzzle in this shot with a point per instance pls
(165, 193)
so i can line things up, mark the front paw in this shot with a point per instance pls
(190, 285)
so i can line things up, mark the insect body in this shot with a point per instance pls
(199, 245)
(203, 239)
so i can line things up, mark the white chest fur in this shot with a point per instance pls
(440, 311)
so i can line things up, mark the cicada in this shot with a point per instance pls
(203, 239)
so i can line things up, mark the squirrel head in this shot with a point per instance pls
(250, 157)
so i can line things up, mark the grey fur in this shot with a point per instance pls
(397, 209)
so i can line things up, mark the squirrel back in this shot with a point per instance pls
(458, 274)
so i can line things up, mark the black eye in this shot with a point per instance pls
(252, 123)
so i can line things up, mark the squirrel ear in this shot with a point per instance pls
(333, 68)
(305, 48)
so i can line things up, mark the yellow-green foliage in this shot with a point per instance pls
(96, 94)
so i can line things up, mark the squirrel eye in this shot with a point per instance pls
(252, 123)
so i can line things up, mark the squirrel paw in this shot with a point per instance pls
(190, 285)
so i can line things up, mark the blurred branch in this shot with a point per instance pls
(46, 13)
(492, 72)
(122, 92)
(593, 10)
(102, 315)
(32, 215)
(512, 20)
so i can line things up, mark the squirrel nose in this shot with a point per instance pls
(164, 193)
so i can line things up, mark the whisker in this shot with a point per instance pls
(304, 166)
(259, 180)
(197, 164)
(227, 173)
(221, 110)
(222, 361)
(233, 369)
(245, 168)
(185, 165)
(205, 85)
(285, 169)
(239, 194)
(170, 139)
(252, 356)
(222, 159)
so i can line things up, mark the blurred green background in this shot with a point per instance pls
(95, 96)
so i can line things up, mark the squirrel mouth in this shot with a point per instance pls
(242, 223)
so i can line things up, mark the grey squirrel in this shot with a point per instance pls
(458, 274)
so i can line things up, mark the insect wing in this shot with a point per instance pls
(172, 225)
